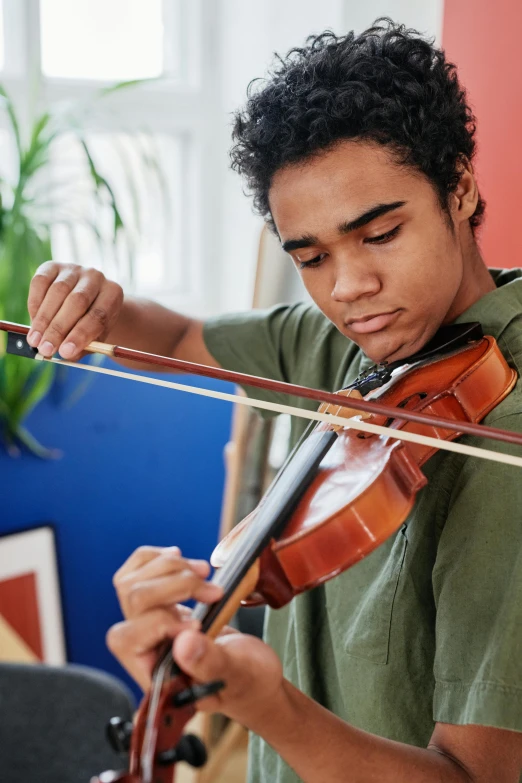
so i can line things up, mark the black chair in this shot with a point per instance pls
(53, 722)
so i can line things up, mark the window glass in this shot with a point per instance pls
(145, 173)
(2, 45)
(109, 40)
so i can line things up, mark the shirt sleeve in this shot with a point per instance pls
(477, 583)
(273, 343)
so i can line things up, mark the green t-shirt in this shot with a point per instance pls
(429, 626)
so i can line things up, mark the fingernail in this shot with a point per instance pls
(67, 350)
(46, 348)
(33, 338)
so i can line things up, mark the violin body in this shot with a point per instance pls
(366, 485)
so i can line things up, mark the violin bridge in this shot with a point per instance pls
(340, 410)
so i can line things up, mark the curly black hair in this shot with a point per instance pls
(387, 85)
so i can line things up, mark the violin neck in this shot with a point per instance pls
(271, 517)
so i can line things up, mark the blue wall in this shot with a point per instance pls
(140, 465)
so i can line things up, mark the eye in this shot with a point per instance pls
(383, 238)
(313, 262)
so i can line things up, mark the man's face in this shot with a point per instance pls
(372, 246)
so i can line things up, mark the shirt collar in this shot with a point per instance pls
(500, 313)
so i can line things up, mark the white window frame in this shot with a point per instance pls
(188, 108)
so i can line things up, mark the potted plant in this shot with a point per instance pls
(29, 208)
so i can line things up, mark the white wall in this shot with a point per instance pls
(249, 32)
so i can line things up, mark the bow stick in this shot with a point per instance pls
(335, 398)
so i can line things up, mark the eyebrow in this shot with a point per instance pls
(345, 228)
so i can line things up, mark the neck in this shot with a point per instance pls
(476, 280)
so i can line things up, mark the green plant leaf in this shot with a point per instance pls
(124, 85)
(8, 105)
(28, 212)
(100, 183)
(40, 381)
(34, 446)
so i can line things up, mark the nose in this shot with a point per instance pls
(353, 281)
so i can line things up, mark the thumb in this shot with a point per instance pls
(200, 657)
(250, 669)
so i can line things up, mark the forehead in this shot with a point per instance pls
(338, 185)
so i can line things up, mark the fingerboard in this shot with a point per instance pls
(270, 519)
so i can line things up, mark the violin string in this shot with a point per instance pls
(148, 745)
(353, 423)
(269, 517)
(289, 457)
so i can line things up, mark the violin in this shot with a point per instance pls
(346, 487)
(362, 487)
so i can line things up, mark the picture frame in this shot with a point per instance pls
(31, 619)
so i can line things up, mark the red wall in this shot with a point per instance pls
(483, 38)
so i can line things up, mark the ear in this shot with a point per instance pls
(465, 197)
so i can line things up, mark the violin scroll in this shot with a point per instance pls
(156, 741)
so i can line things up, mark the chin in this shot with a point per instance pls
(381, 347)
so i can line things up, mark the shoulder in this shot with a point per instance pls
(472, 493)
(508, 413)
(273, 319)
(284, 333)
(275, 342)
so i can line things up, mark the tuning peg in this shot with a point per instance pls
(197, 692)
(119, 733)
(189, 749)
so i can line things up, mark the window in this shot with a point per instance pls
(145, 171)
(125, 35)
(157, 133)
(1, 37)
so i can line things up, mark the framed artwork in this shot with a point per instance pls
(31, 624)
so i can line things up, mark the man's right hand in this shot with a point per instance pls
(70, 306)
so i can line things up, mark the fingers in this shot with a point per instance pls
(166, 562)
(95, 324)
(139, 557)
(149, 586)
(57, 284)
(134, 643)
(167, 591)
(69, 307)
(154, 577)
(43, 277)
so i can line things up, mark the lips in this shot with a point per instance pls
(372, 323)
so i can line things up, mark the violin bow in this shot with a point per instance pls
(17, 345)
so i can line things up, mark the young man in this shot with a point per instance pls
(407, 667)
